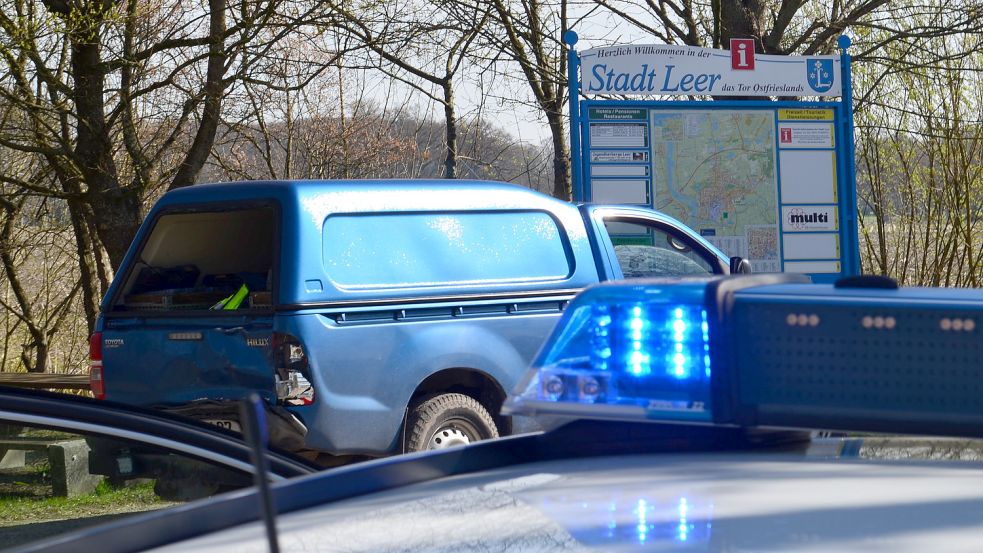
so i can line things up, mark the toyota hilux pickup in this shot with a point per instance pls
(373, 317)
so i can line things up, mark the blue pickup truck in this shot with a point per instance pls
(372, 316)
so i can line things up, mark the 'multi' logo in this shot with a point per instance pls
(800, 219)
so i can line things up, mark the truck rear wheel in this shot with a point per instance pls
(447, 420)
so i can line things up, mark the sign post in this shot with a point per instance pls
(770, 181)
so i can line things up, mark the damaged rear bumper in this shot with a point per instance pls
(285, 430)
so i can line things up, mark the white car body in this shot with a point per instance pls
(663, 502)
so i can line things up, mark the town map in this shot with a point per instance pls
(715, 171)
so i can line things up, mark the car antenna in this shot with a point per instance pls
(254, 423)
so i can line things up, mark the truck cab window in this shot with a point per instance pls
(645, 249)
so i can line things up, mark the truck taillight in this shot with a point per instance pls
(293, 385)
(96, 382)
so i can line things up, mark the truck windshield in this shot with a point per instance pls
(215, 260)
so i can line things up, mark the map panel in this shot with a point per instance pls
(715, 171)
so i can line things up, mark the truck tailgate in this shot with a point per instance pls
(174, 360)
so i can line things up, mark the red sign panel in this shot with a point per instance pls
(742, 54)
(786, 135)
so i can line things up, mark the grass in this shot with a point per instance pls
(105, 500)
(25, 492)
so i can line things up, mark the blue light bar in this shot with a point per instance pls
(766, 351)
(627, 351)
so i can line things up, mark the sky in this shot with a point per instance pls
(509, 103)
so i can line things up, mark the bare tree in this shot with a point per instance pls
(785, 27)
(123, 99)
(797, 26)
(920, 157)
(528, 34)
(330, 128)
(34, 263)
(420, 43)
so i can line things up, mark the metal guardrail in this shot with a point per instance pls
(45, 381)
(899, 448)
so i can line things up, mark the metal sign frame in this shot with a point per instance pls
(843, 147)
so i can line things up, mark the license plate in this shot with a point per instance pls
(226, 424)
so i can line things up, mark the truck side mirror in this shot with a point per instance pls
(740, 266)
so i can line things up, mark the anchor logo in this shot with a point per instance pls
(819, 74)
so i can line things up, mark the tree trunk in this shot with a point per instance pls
(98, 212)
(742, 19)
(561, 154)
(116, 215)
(38, 362)
(117, 210)
(88, 176)
(450, 163)
(214, 91)
(94, 282)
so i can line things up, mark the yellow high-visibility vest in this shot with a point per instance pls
(234, 301)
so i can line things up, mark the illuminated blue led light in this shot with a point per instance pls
(625, 336)
(638, 361)
(679, 366)
(706, 342)
(620, 346)
(683, 523)
(600, 337)
(642, 526)
(633, 523)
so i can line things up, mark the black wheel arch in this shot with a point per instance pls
(471, 382)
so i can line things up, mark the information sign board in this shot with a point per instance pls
(770, 181)
(667, 69)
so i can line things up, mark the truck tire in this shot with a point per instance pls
(447, 420)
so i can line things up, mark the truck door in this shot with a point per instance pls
(642, 243)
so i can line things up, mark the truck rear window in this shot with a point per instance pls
(394, 250)
(219, 260)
